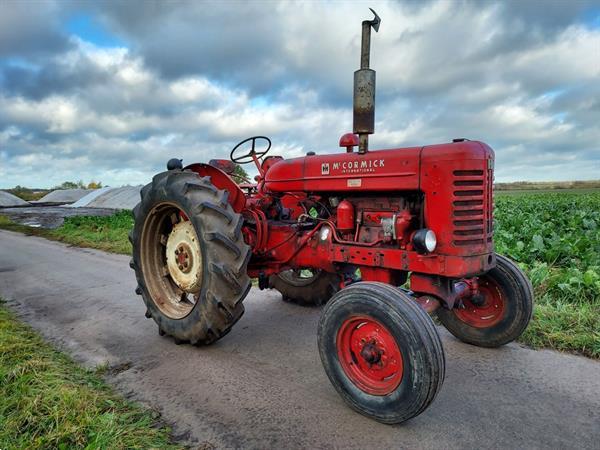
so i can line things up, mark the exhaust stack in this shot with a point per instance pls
(364, 88)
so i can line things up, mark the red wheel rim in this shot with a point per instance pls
(488, 313)
(369, 355)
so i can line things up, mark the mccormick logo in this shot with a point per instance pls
(348, 167)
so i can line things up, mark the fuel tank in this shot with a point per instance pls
(379, 170)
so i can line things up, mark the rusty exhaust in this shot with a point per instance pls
(364, 88)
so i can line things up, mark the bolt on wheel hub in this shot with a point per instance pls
(184, 260)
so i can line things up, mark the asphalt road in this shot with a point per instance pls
(263, 386)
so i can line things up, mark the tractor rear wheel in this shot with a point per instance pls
(189, 257)
(306, 287)
(501, 315)
(381, 352)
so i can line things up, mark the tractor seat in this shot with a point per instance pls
(225, 165)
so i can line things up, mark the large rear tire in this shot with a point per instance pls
(381, 352)
(503, 313)
(189, 257)
(306, 287)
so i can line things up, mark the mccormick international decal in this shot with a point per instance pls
(352, 167)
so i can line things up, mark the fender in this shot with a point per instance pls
(221, 180)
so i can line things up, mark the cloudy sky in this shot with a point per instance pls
(111, 90)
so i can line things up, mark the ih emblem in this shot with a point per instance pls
(325, 169)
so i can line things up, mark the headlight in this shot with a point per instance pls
(424, 240)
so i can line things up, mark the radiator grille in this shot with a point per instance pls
(472, 207)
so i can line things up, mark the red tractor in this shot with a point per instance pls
(383, 237)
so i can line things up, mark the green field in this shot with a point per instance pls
(547, 191)
(545, 186)
(554, 236)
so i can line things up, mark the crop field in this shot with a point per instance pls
(554, 236)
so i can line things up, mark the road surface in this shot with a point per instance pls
(263, 386)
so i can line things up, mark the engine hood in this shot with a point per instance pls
(378, 170)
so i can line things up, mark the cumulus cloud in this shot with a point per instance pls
(192, 79)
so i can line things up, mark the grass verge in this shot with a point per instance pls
(565, 327)
(104, 233)
(48, 401)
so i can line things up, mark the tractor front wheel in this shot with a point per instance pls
(381, 352)
(502, 312)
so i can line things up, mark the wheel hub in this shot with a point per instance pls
(184, 261)
(485, 309)
(369, 355)
(185, 258)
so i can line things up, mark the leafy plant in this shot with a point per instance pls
(556, 239)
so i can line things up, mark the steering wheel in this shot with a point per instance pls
(249, 157)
